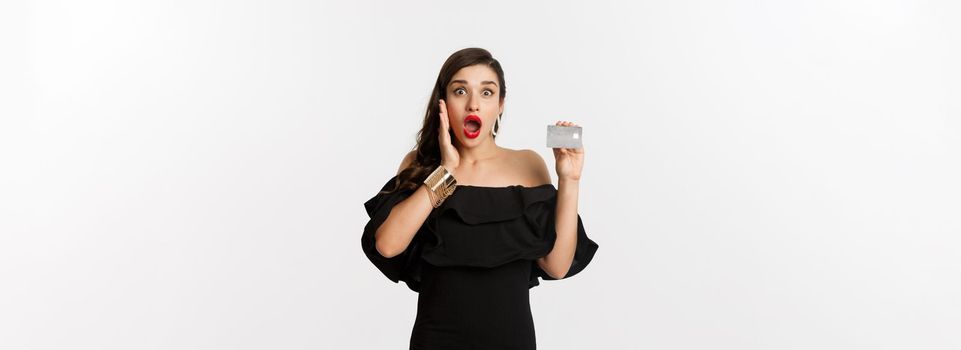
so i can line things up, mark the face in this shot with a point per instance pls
(473, 103)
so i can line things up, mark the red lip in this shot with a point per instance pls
(474, 134)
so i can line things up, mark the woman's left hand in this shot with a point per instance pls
(568, 161)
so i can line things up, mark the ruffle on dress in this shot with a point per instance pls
(476, 226)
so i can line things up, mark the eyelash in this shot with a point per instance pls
(492, 91)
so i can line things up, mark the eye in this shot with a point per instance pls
(487, 92)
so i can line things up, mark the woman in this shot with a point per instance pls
(470, 225)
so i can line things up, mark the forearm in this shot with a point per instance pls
(558, 261)
(405, 219)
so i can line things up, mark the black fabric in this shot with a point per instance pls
(479, 249)
(407, 265)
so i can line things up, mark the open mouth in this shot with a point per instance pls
(472, 126)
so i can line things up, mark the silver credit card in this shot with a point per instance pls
(564, 136)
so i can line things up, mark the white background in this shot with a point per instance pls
(759, 175)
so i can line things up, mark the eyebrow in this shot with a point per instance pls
(465, 82)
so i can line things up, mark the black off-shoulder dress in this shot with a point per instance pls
(473, 262)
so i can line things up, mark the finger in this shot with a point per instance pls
(443, 115)
(442, 133)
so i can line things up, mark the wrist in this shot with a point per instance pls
(450, 168)
(570, 180)
(440, 184)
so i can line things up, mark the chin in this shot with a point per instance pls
(468, 142)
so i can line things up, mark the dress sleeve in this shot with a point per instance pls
(406, 265)
(541, 215)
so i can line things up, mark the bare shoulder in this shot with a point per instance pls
(534, 167)
(408, 159)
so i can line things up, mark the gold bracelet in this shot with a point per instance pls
(440, 185)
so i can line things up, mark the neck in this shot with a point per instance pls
(481, 152)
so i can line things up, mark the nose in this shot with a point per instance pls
(472, 104)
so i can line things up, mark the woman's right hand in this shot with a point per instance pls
(449, 157)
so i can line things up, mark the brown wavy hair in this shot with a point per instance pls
(428, 148)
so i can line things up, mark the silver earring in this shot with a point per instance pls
(496, 125)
